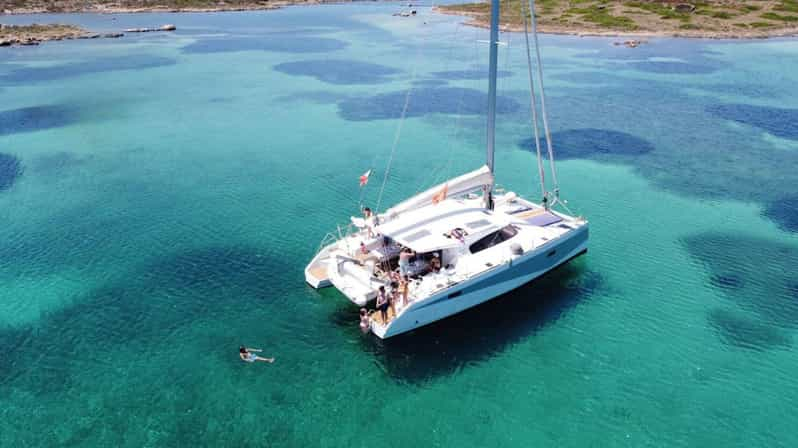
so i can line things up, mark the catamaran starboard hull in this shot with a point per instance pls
(490, 285)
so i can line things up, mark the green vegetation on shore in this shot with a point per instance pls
(711, 18)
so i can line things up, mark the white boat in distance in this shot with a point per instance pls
(486, 242)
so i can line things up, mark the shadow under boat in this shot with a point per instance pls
(482, 332)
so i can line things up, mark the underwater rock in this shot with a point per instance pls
(336, 71)
(783, 212)
(757, 274)
(10, 170)
(35, 118)
(780, 122)
(740, 331)
(592, 144)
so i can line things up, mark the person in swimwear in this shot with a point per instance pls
(248, 355)
(365, 324)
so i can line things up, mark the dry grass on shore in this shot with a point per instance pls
(700, 18)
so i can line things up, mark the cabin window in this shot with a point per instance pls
(494, 238)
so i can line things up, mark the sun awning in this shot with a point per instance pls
(425, 229)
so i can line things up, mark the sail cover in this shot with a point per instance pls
(463, 184)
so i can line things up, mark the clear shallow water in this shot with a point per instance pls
(160, 195)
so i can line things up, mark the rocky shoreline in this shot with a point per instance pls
(167, 6)
(665, 18)
(28, 35)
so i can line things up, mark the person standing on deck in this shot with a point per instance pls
(382, 304)
(404, 260)
(404, 285)
(370, 221)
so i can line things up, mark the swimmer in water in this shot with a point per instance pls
(248, 355)
(365, 324)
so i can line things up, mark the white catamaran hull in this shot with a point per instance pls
(487, 286)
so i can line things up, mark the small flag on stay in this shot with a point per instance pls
(364, 179)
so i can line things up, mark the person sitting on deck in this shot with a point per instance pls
(435, 263)
(404, 260)
(382, 304)
(457, 233)
(248, 355)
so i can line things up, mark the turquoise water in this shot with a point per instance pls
(160, 195)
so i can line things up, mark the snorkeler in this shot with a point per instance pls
(248, 355)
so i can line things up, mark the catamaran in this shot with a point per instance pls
(470, 242)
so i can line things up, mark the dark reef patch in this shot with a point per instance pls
(10, 170)
(423, 101)
(740, 331)
(56, 162)
(482, 332)
(296, 45)
(140, 309)
(728, 281)
(132, 62)
(468, 74)
(35, 118)
(783, 212)
(757, 274)
(592, 144)
(777, 121)
(337, 71)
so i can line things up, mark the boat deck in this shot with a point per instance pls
(319, 272)
(376, 316)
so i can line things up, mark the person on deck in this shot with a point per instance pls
(382, 304)
(404, 260)
(404, 286)
(435, 263)
(248, 355)
(393, 297)
(370, 221)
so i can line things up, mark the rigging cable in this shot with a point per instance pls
(398, 133)
(533, 105)
(543, 102)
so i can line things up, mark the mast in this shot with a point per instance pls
(494, 58)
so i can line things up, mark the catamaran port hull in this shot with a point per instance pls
(489, 285)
